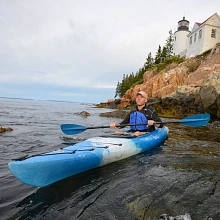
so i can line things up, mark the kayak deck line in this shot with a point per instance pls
(57, 152)
(104, 143)
(62, 152)
(118, 136)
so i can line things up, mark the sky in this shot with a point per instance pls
(78, 50)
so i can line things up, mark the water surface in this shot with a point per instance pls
(178, 179)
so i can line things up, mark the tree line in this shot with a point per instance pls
(163, 55)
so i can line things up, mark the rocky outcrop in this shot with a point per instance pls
(191, 87)
(110, 104)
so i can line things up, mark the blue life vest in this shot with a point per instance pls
(138, 118)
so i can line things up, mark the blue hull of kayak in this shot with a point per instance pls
(45, 169)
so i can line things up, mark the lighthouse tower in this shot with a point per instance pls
(180, 38)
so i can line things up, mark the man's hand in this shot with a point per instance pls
(150, 122)
(113, 125)
(137, 133)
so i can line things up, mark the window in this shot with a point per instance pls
(200, 34)
(213, 34)
(190, 40)
(195, 35)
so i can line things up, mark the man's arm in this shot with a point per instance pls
(125, 121)
(156, 118)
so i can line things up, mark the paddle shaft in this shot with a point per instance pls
(124, 125)
(194, 120)
(165, 122)
(120, 125)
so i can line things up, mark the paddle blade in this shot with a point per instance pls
(196, 120)
(70, 129)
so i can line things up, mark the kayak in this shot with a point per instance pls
(47, 168)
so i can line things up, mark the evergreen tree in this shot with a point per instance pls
(149, 62)
(122, 85)
(130, 80)
(158, 55)
(125, 85)
(118, 90)
(169, 44)
(163, 54)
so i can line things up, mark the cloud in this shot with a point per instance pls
(78, 44)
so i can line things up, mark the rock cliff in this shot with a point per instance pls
(189, 88)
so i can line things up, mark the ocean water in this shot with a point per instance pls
(128, 189)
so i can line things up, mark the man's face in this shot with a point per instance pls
(140, 100)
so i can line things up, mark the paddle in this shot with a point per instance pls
(194, 120)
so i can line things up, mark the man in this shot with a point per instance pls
(143, 114)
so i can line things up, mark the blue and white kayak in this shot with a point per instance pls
(45, 169)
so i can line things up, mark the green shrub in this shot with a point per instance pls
(193, 64)
(166, 64)
(137, 83)
(204, 54)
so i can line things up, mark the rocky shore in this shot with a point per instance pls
(182, 181)
(192, 87)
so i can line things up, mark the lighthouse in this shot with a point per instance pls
(180, 38)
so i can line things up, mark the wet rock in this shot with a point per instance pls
(188, 100)
(210, 94)
(115, 114)
(5, 129)
(214, 125)
(102, 105)
(166, 192)
(112, 105)
(180, 217)
(83, 113)
(124, 104)
(110, 101)
(180, 105)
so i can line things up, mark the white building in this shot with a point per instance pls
(203, 37)
(180, 38)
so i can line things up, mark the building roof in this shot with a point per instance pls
(197, 24)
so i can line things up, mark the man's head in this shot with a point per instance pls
(141, 98)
